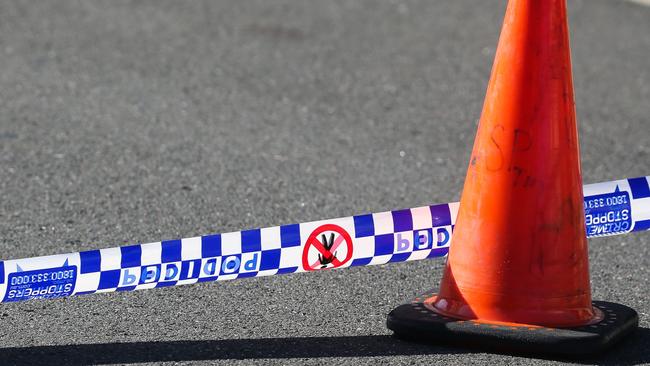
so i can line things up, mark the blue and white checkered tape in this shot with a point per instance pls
(611, 208)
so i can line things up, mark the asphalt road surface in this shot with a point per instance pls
(124, 122)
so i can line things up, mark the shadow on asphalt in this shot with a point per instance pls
(631, 352)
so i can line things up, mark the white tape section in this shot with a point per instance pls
(611, 208)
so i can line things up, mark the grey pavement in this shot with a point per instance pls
(125, 122)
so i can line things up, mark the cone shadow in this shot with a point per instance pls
(631, 352)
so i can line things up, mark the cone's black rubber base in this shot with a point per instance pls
(417, 321)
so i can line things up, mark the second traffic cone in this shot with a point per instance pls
(519, 250)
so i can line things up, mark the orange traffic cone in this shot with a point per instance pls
(518, 263)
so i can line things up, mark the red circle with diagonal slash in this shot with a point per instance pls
(313, 241)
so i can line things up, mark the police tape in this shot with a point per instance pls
(611, 208)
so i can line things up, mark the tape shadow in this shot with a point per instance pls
(631, 352)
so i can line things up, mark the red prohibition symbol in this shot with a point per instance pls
(325, 248)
